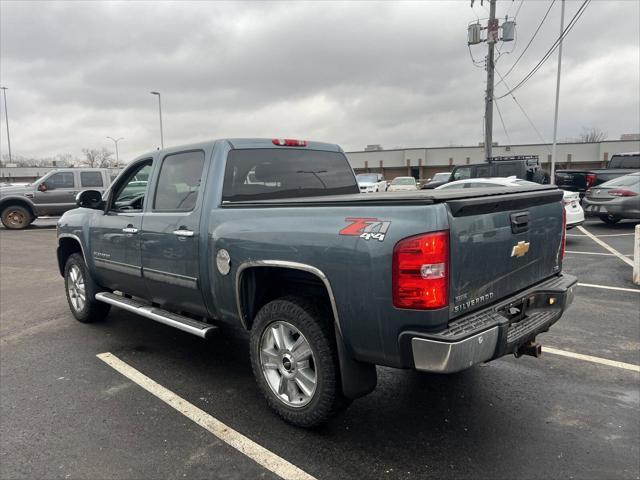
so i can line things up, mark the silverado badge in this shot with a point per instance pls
(520, 249)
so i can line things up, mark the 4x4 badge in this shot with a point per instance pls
(366, 228)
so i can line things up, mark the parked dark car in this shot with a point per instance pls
(275, 237)
(615, 200)
(524, 167)
(581, 180)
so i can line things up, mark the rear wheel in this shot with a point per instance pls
(295, 361)
(81, 291)
(16, 217)
(610, 219)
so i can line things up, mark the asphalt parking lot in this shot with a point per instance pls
(65, 413)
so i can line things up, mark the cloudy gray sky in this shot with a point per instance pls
(398, 74)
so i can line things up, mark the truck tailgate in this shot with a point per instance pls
(501, 245)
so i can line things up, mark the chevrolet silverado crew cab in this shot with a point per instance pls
(52, 194)
(273, 236)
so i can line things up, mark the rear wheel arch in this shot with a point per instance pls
(260, 283)
(257, 283)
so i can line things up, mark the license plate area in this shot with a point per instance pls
(515, 311)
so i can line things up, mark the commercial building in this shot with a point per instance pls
(422, 163)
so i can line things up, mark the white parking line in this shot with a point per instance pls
(605, 235)
(257, 453)
(606, 287)
(605, 245)
(589, 358)
(595, 253)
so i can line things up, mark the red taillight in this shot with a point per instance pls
(621, 192)
(564, 232)
(289, 142)
(421, 272)
(591, 179)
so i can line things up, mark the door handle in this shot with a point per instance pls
(130, 230)
(183, 233)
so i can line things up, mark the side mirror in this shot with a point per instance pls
(43, 187)
(90, 199)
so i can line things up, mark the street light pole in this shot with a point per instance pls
(552, 180)
(6, 117)
(116, 140)
(160, 111)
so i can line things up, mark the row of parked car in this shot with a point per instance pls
(612, 193)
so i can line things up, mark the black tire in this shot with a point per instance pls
(91, 310)
(16, 217)
(610, 219)
(317, 328)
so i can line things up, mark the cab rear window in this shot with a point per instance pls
(273, 173)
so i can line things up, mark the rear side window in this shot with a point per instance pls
(625, 161)
(507, 170)
(91, 179)
(60, 180)
(179, 182)
(272, 173)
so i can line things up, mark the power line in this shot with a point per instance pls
(524, 113)
(518, 9)
(530, 41)
(502, 121)
(546, 56)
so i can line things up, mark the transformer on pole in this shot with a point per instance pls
(492, 36)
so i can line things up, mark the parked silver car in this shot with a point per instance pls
(614, 200)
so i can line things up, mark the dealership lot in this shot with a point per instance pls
(65, 413)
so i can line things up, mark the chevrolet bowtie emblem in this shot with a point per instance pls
(520, 249)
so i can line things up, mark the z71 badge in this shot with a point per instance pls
(366, 228)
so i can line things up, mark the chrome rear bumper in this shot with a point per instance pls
(489, 334)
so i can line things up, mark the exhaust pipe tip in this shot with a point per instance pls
(531, 348)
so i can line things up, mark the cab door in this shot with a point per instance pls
(171, 233)
(56, 194)
(115, 236)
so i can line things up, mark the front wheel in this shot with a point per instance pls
(16, 217)
(610, 219)
(81, 291)
(295, 361)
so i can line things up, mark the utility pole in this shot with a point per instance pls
(6, 117)
(160, 111)
(555, 118)
(116, 140)
(474, 37)
(492, 38)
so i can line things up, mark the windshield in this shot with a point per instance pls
(404, 181)
(367, 177)
(439, 177)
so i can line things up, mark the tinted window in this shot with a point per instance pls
(260, 174)
(462, 173)
(507, 170)
(179, 182)
(60, 180)
(625, 161)
(131, 191)
(91, 179)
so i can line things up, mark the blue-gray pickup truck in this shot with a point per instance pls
(274, 237)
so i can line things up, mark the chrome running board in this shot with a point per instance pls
(194, 327)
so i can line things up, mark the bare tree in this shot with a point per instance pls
(591, 135)
(95, 158)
